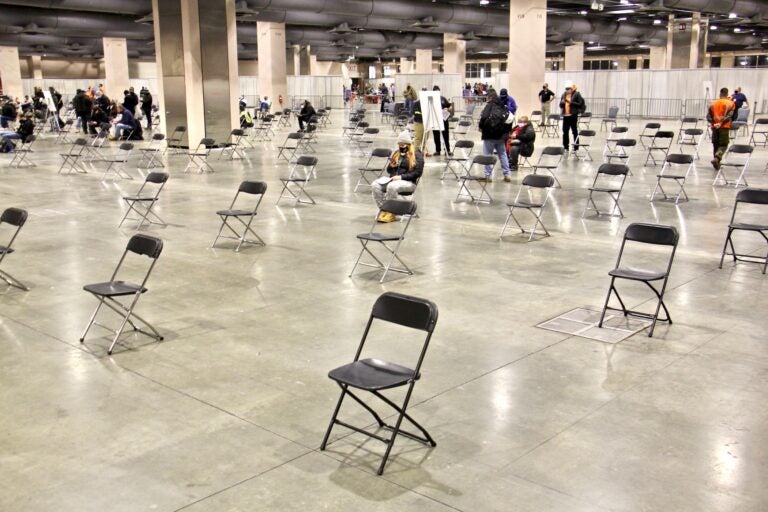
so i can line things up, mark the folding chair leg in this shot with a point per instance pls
(8, 278)
(333, 418)
(611, 289)
(93, 317)
(725, 248)
(395, 430)
(122, 324)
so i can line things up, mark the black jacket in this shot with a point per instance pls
(402, 168)
(82, 104)
(9, 110)
(130, 101)
(146, 102)
(577, 103)
(307, 112)
(495, 108)
(25, 129)
(527, 136)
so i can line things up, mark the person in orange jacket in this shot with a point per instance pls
(719, 116)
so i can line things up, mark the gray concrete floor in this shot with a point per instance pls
(228, 412)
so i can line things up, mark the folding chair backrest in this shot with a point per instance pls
(157, 177)
(741, 149)
(686, 120)
(180, 129)
(371, 131)
(664, 135)
(406, 310)
(539, 181)
(613, 169)
(626, 143)
(399, 207)
(252, 187)
(586, 115)
(145, 245)
(619, 129)
(655, 234)
(536, 113)
(237, 132)
(613, 112)
(126, 146)
(587, 133)
(693, 132)
(381, 152)
(553, 151)
(14, 216)
(742, 116)
(465, 123)
(652, 126)
(484, 160)
(680, 159)
(751, 196)
(158, 137)
(207, 142)
(307, 161)
(363, 124)
(30, 139)
(464, 144)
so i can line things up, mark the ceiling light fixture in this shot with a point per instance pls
(485, 2)
(623, 18)
(583, 13)
(733, 15)
(657, 22)
(623, 11)
(713, 27)
(737, 29)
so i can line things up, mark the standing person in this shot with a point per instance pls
(410, 98)
(508, 101)
(405, 167)
(571, 105)
(740, 100)
(446, 110)
(719, 116)
(307, 112)
(83, 106)
(495, 128)
(418, 125)
(130, 100)
(146, 106)
(520, 142)
(545, 97)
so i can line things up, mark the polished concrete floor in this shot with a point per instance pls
(227, 413)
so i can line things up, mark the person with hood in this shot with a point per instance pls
(494, 126)
(508, 101)
(404, 168)
(571, 105)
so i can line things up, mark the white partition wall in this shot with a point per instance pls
(500, 81)
(317, 89)
(450, 84)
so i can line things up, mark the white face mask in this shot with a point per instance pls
(521, 125)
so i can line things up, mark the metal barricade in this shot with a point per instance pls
(460, 103)
(696, 108)
(295, 102)
(656, 108)
(599, 107)
(333, 101)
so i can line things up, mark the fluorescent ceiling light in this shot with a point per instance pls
(598, 47)
(583, 13)
(713, 27)
(623, 11)
(623, 18)
(657, 22)
(484, 2)
(737, 29)
(733, 15)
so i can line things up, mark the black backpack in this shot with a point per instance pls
(495, 119)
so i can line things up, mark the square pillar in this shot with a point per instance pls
(527, 52)
(574, 57)
(10, 71)
(658, 57)
(272, 61)
(36, 67)
(116, 67)
(406, 66)
(454, 54)
(423, 61)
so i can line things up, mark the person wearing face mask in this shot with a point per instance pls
(520, 142)
(405, 167)
(545, 97)
(571, 105)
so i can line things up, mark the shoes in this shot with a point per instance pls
(450, 153)
(112, 137)
(513, 168)
(386, 217)
(508, 178)
(427, 154)
(486, 179)
(716, 164)
(437, 153)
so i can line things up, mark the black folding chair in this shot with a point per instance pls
(736, 157)
(748, 196)
(537, 188)
(108, 292)
(660, 143)
(616, 134)
(174, 141)
(652, 234)
(232, 145)
(290, 146)
(198, 159)
(583, 144)
(116, 163)
(549, 161)
(609, 179)
(462, 130)
(72, 159)
(691, 137)
(671, 171)
(759, 132)
(686, 123)
(22, 151)
(143, 203)
(585, 121)
(376, 375)
(468, 178)
(462, 151)
(151, 156)
(649, 132)
(365, 140)
(15, 217)
(552, 126)
(64, 131)
(389, 240)
(622, 150)
(374, 167)
(243, 216)
(295, 184)
(611, 118)
(535, 118)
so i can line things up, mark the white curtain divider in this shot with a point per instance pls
(314, 88)
(450, 84)
(499, 81)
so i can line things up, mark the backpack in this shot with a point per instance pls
(496, 120)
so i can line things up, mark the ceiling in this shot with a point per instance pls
(385, 29)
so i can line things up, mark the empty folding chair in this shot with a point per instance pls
(305, 144)
(737, 158)
(461, 131)
(64, 131)
(93, 151)
(651, 234)
(375, 375)
(244, 216)
(585, 120)
(469, 114)
(740, 123)
(388, 236)
(285, 118)
(649, 131)
(609, 179)
(73, 158)
(671, 170)
(659, 146)
(691, 137)
(748, 196)
(583, 144)
(22, 151)
(401, 122)
(366, 140)
(350, 127)
(462, 151)
(552, 126)
(549, 161)
(759, 133)
(198, 159)
(116, 163)
(144, 201)
(295, 184)
(15, 217)
(232, 145)
(536, 189)
(465, 186)
(151, 156)
(374, 167)
(290, 146)
(685, 123)
(175, 140)
(109, 292)
(610, 119)
(616, 133)
(535, 118)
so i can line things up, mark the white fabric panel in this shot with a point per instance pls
(249, 89)
(500, 81)
(316, 89)
(450, 84)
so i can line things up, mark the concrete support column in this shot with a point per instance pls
(292, 60)
(727, 60)
(454, 54)
(623, 62)
(527, 52)
(658, 57)
(116, 67)
(304, 62)
(423, 61)
(10, 71)
(574, 57)
(686, 42)
(314, 68)
(272, 61)
(36, 67)
(406, 66)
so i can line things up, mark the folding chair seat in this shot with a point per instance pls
(749, 196)
(609, 179)
(232, 145)
(366, 140)
(22, 151)
(109, 292)
(585, 120)
(537, 189)
(549, 161)
(350, 127)
(72, 159)
(375, 375)
(15, 217)
(462, 151)
(737, 158)
(611, 118)
(243, 215)
(400, 123)
(552, 127)
(740, 124)
(583, 144)
(616, 133)
(198, 159)
(759, 133)
(691, 137)
(290, 146)
(295, 184)
(465, 181)
(309, 138)
(469, 114)
(64, 131)
(650, 234)
(462, 130)
(116, 163)
(144, 201)
(649, 131)
(671, 162)
(374, 167)
(388, 236)
(685, 123)
(175, 140)
(660, 143)
(151, 156)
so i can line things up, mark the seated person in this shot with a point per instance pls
(404, 168)
(125, 122)
(246, 120)
(25, 129)
(7, 113)
(98, 117)
(520, 142)
(307, 112)
(264, 106)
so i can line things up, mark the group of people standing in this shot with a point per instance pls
(94, 108)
